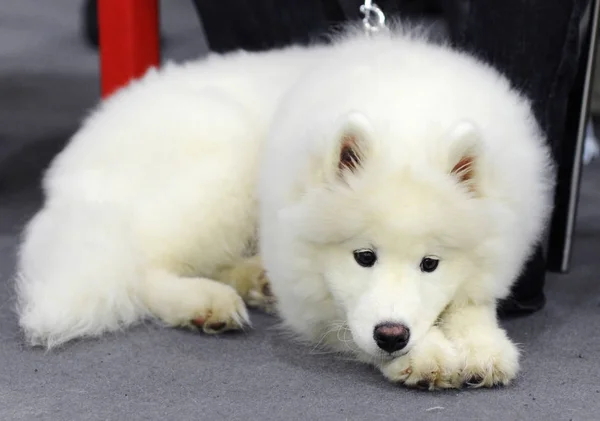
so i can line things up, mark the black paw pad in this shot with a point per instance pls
(474, 380)
(266, 290)
(217, 326)
(423, 384)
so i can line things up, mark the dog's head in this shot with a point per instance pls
(394, 239)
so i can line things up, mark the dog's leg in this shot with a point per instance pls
(489, 357)
(189, 302)
(249, 279)
(431, 364)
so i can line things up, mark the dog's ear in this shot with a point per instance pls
(352, 144)
(465, 152)
(350, 155)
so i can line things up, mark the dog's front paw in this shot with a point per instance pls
(432, 363)
(258, 289)
(223, 310)
(489, 359)
(249, 279)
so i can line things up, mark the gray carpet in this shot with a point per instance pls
(48, 79)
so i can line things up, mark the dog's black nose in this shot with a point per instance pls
(391, 337)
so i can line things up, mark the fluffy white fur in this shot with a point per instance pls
(169, 185)
(417, 110)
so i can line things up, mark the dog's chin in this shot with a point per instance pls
(393, 355)
(398, 353)
(383, 356)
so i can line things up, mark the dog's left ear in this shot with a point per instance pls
(465, 152)
(351, 144)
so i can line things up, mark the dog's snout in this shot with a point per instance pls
(391, 337)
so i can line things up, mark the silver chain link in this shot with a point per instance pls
(374, 18)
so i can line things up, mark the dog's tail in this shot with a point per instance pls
(78, 273)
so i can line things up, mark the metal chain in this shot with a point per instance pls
(374, 18)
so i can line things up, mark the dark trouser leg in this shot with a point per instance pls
(256, 25)
(263, 24)
(536, 44)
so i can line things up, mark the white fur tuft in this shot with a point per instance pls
(78, 275)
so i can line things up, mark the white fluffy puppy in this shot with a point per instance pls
(400, 188)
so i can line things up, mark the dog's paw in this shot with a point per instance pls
(224, 310)
(431, 364)
(249, 278)
(489, 359)
(257, 289)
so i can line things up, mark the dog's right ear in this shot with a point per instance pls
(465, 153)
(351, 145)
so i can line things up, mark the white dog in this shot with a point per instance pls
(395, 188)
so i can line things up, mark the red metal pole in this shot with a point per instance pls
(129, 41)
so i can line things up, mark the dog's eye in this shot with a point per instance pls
(365, 257)
(429, 264)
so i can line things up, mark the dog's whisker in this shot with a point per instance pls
(333, 327)
(349, 343)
